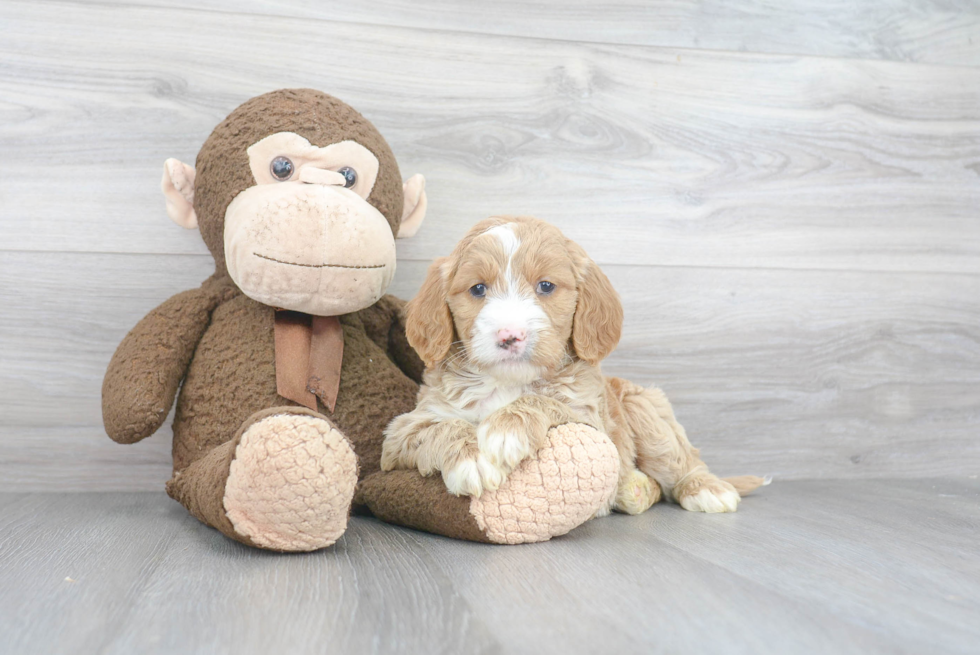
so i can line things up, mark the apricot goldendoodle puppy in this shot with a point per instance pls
(512, 327)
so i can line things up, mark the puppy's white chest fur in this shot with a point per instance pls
(498, 396)
(476, 396)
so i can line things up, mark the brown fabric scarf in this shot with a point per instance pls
(309, 353)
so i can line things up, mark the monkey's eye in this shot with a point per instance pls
(545, 287)
(350, 175)
(281, 168)
(478, 290)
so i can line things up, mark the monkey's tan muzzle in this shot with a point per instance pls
(313, 247)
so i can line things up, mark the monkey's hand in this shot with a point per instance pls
(148, 366)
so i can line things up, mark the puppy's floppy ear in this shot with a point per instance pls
(428, 323)
(598, 321)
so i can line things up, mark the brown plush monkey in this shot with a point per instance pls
(290, 359)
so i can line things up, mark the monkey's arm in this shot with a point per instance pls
(143, 376)
(385, 325)
(398, 347)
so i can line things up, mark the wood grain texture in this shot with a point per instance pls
(798, 374)
(147, 577)
(796, 238)
(819, 567)
(941, 32)
(863, 567)
(649, 155)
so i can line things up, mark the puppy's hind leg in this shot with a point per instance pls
(665, 454)
(636, 492)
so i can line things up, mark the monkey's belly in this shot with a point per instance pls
(233, 375)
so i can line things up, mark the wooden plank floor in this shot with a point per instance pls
(889, 566)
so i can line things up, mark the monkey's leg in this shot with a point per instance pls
(568, 481)
(284, 482)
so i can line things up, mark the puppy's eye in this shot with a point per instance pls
(350, 175)
(281, 168)
(545, 287)
(478, 290)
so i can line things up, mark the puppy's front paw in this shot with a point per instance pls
(504, 445)
(707, 493)
(472, 476)
(509, 436)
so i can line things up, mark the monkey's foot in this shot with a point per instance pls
(570, 480)
(567, 482)
(290, 483)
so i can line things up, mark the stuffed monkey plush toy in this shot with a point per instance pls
(291, 360)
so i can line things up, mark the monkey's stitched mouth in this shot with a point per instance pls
(279, 261)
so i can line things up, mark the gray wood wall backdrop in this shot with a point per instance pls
(786, 194)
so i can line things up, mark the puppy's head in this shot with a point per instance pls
(515, 294)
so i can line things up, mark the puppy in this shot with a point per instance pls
(512, 327)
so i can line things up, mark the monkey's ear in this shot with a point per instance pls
(414, 210)
(178, 189)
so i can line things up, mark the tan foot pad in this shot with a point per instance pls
(291, 483)
(569, 480)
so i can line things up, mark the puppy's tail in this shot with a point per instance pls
(746, 484)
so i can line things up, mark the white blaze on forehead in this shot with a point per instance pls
(505, 235)
(510, 243)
